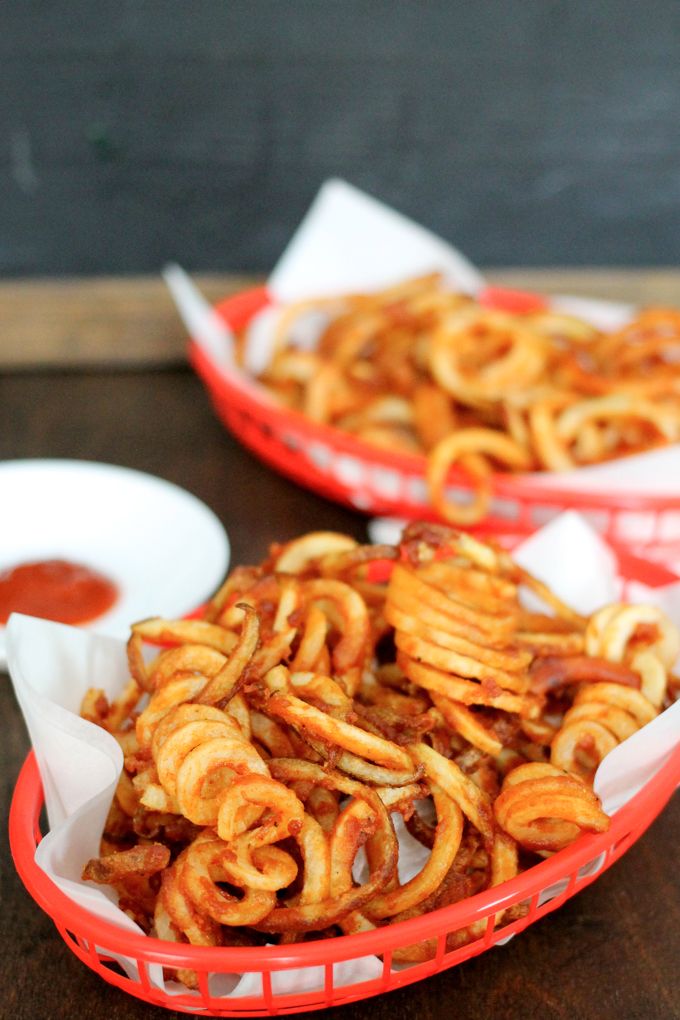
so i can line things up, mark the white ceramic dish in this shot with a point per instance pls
(162, 547)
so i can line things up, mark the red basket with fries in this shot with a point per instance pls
(98, 944)
(300, 977)
(378, 481)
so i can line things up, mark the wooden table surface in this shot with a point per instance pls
(612, 951)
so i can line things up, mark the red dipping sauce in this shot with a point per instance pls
(55, 590)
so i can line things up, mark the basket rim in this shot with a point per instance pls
(27, 800)
(237, 310)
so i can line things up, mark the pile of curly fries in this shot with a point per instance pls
(270, 745)
(420, 370)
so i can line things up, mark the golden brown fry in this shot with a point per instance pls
(544, 808)
(141, 860)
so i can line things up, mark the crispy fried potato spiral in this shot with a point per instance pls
(453, 636)
(603, 714)
(544, 809)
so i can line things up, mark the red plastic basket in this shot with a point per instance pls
(97, 943)
(322, 978)
(347, 470)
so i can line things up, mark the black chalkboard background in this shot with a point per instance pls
(527, 131)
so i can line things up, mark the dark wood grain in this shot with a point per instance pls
(610, 953)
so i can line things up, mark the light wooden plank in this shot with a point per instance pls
(131, 322)
(641, 286)
(126, 322)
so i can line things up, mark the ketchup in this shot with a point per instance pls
(55, 590)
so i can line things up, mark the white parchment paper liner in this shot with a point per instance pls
(52, 666)
(349, 242)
